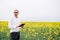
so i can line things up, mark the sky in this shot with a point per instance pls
(31, 10)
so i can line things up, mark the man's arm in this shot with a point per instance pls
(10, 25)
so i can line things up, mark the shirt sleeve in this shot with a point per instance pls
(10, 26)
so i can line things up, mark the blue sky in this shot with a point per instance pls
(31, 10)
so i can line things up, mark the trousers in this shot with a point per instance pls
(15, 35)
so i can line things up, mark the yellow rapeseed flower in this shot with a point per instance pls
(56, 33)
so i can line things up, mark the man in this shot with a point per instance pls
(14, 26)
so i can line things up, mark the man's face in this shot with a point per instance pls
(16, 12)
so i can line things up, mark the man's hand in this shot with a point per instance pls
(16, 26)
(22, 27)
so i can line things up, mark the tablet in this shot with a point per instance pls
(21, 25)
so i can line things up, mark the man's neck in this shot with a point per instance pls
(16, 16)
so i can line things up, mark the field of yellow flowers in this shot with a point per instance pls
(33, 31)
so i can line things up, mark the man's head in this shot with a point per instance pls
(16, 12)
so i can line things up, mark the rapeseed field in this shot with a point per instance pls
(33, 31)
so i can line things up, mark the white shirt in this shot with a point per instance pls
(13, 22)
